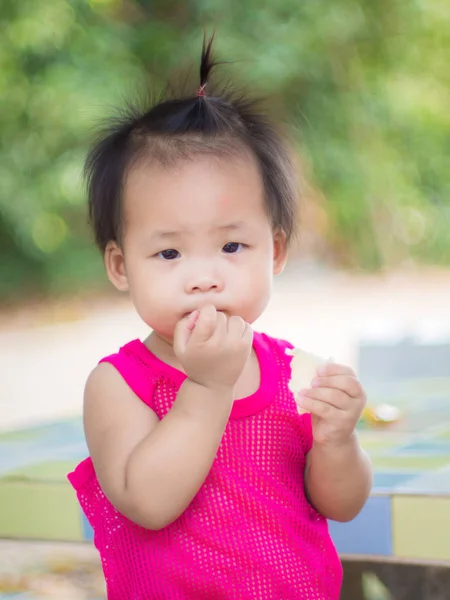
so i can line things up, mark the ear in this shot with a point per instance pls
(115, 266)
(279, 251)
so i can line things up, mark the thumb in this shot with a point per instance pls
(183, 332)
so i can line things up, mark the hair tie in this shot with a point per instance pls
(201, 91)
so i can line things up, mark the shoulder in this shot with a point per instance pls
(109, 405)
(102, 377)
(126, 355)
(134, 366)
(106, 390)
(272, 352)
(273, 345)
(278, 348)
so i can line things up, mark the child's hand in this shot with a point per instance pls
(213, 348)
(335, 401)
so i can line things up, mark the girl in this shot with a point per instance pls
(204, 481)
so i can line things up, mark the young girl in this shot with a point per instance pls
(204, 481)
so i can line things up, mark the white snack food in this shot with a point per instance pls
(303, 370)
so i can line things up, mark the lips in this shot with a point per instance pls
(224, 311)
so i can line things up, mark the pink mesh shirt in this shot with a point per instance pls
(250, 533)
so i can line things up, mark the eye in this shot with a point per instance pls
(232, 247)
(169, 254)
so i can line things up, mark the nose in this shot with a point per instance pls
(203, 283)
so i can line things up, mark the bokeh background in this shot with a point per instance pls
(363, 89)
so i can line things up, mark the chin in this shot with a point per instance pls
(163, 329)
(165, 335)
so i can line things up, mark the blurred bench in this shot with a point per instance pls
(403, 534)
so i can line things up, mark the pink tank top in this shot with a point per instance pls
(250, 532)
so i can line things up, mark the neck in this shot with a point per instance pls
(162, 348)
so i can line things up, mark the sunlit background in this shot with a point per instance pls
(362, 88)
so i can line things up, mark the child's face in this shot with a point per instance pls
(195, 233)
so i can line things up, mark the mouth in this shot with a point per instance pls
(186, 314)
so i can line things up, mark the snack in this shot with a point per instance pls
(303, 370)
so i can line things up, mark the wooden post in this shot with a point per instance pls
(352, 586)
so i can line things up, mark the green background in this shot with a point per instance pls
(363, 86)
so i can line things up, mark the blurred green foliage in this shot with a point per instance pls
(366, 86)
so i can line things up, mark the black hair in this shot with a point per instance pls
(211, 120)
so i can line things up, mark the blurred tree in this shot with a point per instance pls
(365, 86)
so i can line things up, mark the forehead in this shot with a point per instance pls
(204, 191)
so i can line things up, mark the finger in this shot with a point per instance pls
(192, 319)
(206, 323)
(236, 327)
(331, 369)
(247, 334)
(247, 338)
(318, 408)
(346, 383)
(221, 327)
(183, 331)
(336, 398)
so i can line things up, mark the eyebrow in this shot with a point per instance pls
(230, 226)
(170, 234)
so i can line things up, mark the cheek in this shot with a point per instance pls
(150, 290)
(255, 273)
(255, 287)
(263, 281)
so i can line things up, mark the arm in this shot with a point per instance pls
(338, 479)
(338, 476)
(150, 470)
